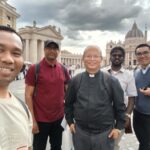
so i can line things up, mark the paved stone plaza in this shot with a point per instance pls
(128, 141)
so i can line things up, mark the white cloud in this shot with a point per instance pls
(85, 22)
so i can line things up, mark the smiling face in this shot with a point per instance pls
(51, 54)
(11, 60)
(143, 56)
(92, 59)
(117, 58)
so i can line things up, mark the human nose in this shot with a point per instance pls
(7, 57)
(92, 57)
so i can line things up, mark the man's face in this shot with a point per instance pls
(92, 59)
(143, 56)
(51, 53)
(117, 58)
(11, 60)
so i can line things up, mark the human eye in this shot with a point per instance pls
(145, 52)
(96, 56)
(1, 49)
(114, 55)
(138, 54)
(88, 56)
(17, 53)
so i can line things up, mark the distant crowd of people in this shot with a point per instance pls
(97, 103)
(23, 72)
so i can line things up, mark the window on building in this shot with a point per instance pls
(134, 62)
(130, 55)
(8, 25)
(8, 17)
(129, 63)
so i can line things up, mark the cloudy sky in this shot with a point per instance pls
(85, 22)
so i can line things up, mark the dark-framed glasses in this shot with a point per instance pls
(144, 53)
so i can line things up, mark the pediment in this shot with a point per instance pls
(48, 32)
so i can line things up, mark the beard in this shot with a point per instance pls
(117, 64)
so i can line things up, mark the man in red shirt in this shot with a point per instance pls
(47, 104)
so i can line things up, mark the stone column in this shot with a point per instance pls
(132, 58)
(14, 22)
(33, 51)
(3, 20)
(40, 50)
(26, 50)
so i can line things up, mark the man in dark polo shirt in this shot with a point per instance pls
(47, 104)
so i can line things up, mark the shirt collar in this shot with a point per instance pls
(49, 65)
(145, 69)
(122, 69)
(93, 75)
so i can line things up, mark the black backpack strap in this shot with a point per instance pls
(78, 80)
(65, 76)
(37, 70)
(24, 106)
(65, 72)
(106, 78)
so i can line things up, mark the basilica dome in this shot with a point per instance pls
(134, 32)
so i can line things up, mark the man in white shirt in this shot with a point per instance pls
(127, 81)
(15, 120)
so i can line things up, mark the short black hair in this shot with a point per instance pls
(118, 48)
(9, 29)
(142, 45)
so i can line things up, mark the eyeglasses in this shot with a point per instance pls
(92, 57)
(139, 54)
(52, 48)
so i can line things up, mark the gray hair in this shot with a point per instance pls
(92, 46)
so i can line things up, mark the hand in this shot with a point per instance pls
(114, 134)
(145, 92)
(72, 128)
(35, 128)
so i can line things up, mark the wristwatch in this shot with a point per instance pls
(128, 115)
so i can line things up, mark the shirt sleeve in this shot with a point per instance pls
(67, 77)
(69, 101)
(118, 103)
(131, 88)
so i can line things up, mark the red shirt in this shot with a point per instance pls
(48, 104)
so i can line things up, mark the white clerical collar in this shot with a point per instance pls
(91, 75)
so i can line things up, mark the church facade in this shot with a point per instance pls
(8, 14)
(34, 38)
(133, 38)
